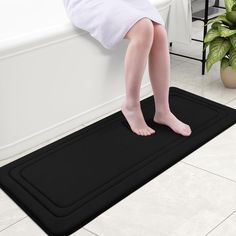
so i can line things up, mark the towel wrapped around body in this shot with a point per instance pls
(108, 21)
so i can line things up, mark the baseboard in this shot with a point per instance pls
(59, 130)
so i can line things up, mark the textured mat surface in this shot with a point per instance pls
(66, 184)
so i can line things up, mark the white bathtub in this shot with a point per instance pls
(54, 77)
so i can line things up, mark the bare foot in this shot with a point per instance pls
(135, 118)
(169, 119)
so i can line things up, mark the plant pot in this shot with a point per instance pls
(228, 77)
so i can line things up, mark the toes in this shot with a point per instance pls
(138, 131)
(142, 132)
(188, 129)
(147, 132)
(152, 130)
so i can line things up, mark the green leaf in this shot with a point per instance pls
(211, 34)
(205, 46)
(233, 40)
(232, 58)
(234, 7)
(217, 19)
(208, 64)
(231, 16)
(225, 32)
(224, 63)
(216, 25)
(218, 48)
(221, 18)
(229, 4)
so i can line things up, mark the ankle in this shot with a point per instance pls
(162, 111)
(130, 105)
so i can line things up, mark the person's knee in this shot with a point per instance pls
(143, 33)
(160, 32)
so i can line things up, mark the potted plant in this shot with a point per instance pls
(221, 39)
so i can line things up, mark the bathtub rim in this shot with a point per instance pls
(39, 38)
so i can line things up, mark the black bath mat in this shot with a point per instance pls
(66, 184)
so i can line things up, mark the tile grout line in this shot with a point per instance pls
(90, 231)
(220, 223)
(28, 216)
(221, 176)
(13, 224)
(230, 101)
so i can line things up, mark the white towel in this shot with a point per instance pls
(108, 21)
(179, 23)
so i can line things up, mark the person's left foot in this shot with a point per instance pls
(169, 119)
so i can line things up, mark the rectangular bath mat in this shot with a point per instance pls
(68, 183)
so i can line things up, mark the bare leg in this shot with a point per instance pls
(159, 72)
(141, 37)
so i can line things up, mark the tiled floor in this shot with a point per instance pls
(195, 197)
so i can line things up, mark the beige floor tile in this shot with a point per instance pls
(10, 213)
(226, 227)
(180, 201)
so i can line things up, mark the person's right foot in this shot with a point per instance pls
(169, 119)
(134, 117)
